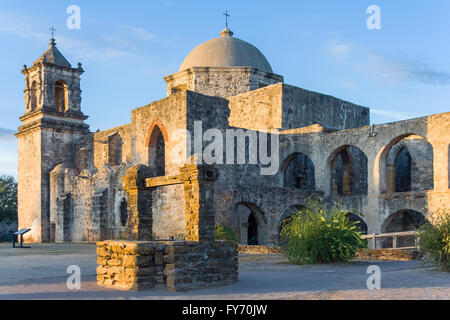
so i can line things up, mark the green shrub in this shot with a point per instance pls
(434, 242)
(224, 233)
(317, 234)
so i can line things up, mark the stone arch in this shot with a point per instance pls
(289, 212)
(298, 171)
(252, 223)
(156, 144)
(348, 167)
(362, 226)
(402, 220)
(156, 123)
(61, 96)
(406, 164)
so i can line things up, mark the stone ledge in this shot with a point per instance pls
(386, 254)
(258, 249)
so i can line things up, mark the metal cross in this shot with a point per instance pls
(52, 29)
(226, 18)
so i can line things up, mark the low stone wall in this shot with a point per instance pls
(194, 265)
(130, 265)
(180, 265)
(386, 254)
(257, 249)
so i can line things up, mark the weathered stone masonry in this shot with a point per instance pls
(180, 265)
(71, 179)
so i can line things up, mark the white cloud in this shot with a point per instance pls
(339, 50)
(407, 70)
(119, 44)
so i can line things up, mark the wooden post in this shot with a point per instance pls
(394, 242)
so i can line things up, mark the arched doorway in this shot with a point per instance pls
(403, 220)
(253, 225)
(252, 230)
(285, 218)
(361, 225)
(157, 152)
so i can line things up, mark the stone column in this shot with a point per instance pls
(139, 203)
(199, 203)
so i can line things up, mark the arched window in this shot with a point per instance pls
(61, 96)
(403, 171)
(299, 172)
(157, 152)
(406, 164)
(349, 172)
(33, 96)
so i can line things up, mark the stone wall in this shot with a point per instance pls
(281, 106)
(221, 82)
(179, 265)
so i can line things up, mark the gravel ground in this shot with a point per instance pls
(39, 272)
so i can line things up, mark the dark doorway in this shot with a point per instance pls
(406, 220)
(157, 153)
(252, 234)
(123, 212)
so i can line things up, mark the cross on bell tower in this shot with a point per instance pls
(52, 40)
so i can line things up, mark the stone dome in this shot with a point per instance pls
(226, 51)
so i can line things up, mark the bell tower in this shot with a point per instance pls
(52, 124)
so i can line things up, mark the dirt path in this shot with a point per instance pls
(40, 273)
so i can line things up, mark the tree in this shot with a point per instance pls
(8, 199)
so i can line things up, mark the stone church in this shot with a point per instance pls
(390, 177)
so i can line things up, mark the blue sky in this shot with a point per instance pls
(401, 71)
